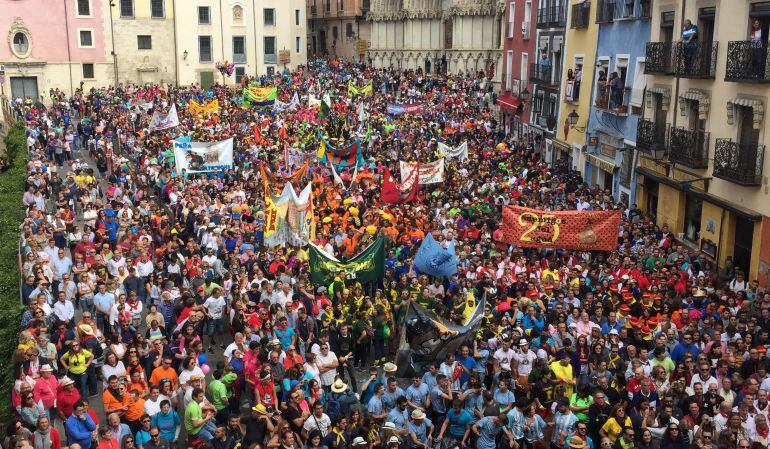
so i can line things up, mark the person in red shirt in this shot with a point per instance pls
(44, 429)
(634, 385)
(66, 397)
(265, 390)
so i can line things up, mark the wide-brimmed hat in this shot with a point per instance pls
(47, 368)
(260, 408)
(389, 367)
(359, 441)
(576, 443)
(66, 381)
(418, 414)
(393, 440)
(86, 329)
(339, 386)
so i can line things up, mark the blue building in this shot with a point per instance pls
(617, 96)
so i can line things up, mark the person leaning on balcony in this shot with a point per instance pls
(757, 44)
(689, 39)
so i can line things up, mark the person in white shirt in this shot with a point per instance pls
(318, 420)
(504, 356)
(117, 261)
(63, 309)
(311, 366)
(152, 403)
(283, 295)
(327, 364)
(215, 309)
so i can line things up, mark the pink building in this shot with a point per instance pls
(518, 51)
(54, 44)
(338, 28)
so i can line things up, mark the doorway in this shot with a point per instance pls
(744, 238)
(651, 188)
(207, 80)
(24, 87)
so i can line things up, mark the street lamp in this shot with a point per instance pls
(184, 55)
(572, 119)
(658, 152)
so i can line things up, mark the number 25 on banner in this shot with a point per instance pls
(541, 228)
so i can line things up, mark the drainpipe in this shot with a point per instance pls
(176, 53)
(69, 54)
(114, 56)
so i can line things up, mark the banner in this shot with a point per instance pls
(271, 212)
(312, 101)
(295, 177)
(430, 173)
(260, 97)
(367, 266)
(410, 108)
(459, 152)
(581, 230)
(341, 158)
(195, 108)
(200, 157)
(290, 106)
(365, 90)
(292, 225)
(162, 121)
(434, 260)
(394, 193)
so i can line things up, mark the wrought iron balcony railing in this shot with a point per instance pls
(580, 15)
(688, 148)
(698, 60)
(543, 74)
(738, 163)
(313, 11)
(650, 136)
(659, 58)
(552, 16)
(747, 61)
(605, 11)
(614, 101)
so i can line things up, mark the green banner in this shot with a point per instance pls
(366, 266)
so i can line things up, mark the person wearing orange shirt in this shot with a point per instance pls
(134, 411)
(115, 398)
(165, 371)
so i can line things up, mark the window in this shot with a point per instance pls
(20, 44)
(240, 72)
(524, 67)
(626, 168)
(88, 71)
(509, 69)
(156, 9)
(86, 38)
(340, 5)
(84, 7)
(510, 20)
(298, 42)
(296, 17)
(204, 48)
(204, 15)
(692, 215)
(126, 8)
(349, 29)
(269, 14)
(144, 42)
(328, 5)
(239, 49)
(269, 44)
(335, 33)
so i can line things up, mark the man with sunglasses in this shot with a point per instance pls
(156, 441)
(581, 432)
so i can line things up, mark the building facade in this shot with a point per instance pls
(143, 40)
(702, 167)
(338, 28)
(617, 85)
(42, 54)
(515, 89)
(581, 37)
(259, 37)
(454, 36)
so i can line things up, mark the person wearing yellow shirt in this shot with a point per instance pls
(76, 361)
(552, 273)
(562, 371)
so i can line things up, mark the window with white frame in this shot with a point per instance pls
(509, 69)
(157, 9)
(204, 15)
(126, 8)
(239, 49)
(298, 43)
(144, 42)
(88, 71)
(204, 49)
(524, 67)
(511, 11)
(296, 17)
(86, 38)
(84, 8)
(269, 16)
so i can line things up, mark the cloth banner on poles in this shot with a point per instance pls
(366, 266)
(200, 157)
(260, 97)
(580, 230)
(292, 225)
(434, 260)
(410, 108)
(430, 173)
(295, 177)
(312, 101)
(365, 90)
(394, 193)
(162, 121)
(280, 106)
(271, 212)
(460, 151)
(341, 158)
(195, 108)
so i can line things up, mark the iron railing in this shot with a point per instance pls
(639, 9)
(688, 148)
(612, 101)
(572, 92)
(605, 11)
(738, 163)
(552, 16)
(542, 74)
(580, 15)
(747, 61)
(697, 60)
(313, 10)
(659, 58)
(650, 136)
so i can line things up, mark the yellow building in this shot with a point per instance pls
(579, 62)
(702, 166)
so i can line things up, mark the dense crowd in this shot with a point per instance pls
(157, 317)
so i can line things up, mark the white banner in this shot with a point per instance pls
(292, 227)
(460, 151)
(313, 101)
(290, 106)
(200, 157)
(164, 121)
(430, 173)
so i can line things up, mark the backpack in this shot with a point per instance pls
(333, 407)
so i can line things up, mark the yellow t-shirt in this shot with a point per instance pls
(563, 373)
(612, 428)
(77, 362)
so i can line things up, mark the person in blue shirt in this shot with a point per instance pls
(458, 423)
(429, 377)
(399, 416)
(168, 421)
(487, 428)
(420, 430)
(504, 397)
(79, 426)
(682, 348)
(391, 393)
(417, 393)
(374, 408)
(468, 362)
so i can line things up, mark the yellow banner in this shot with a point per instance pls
(195, 108)
(271, 212)
(365, 90)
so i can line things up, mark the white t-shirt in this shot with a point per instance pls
(504, 358)
(215, 306)
(525, 361)
(152, 407)
(327, 378)
(323, 424)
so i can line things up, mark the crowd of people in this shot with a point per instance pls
(157, 317)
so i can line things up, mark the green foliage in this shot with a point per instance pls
(11, 217)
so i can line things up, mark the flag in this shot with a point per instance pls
(353, 90)
(195, 108)
(282, 132)
(395, 193)
(271, 212)
(434, 260)
(321, 154)
(341, 157)
(459, 152)
(257, 134)
(325, 110)
(310, 223)
(164, 121)
(259, 96)
(366, 266)
(428, 173)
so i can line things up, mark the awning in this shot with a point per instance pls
(509, 103)
(563, 146)
(705, 196)
(601, 162)
(703, 99)
(664, 92)
(756, 105)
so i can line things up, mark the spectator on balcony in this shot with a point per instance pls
(689, 42)
(757, 46)
(544, 66)
(615, 86)
(578, 80)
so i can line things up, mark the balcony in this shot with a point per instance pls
(697, 61)
(738, 163)
(639, 9)
(650, 136)
(365, 6)
(580, 15)
(688, 148)
(313, 11)
(659, 58)
(542, 74)
(553, 16)
(747, 62)
(612, 101)
(239, 58)
(605, 11)
(572, 92)
(271, 58)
